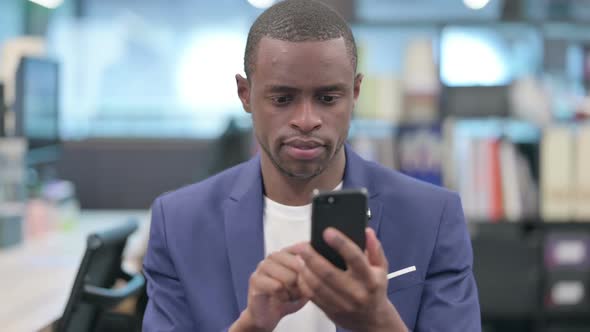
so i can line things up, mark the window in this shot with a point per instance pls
(151, 69)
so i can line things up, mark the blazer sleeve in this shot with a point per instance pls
(450, 300)
(167, 309)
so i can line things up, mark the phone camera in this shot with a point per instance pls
(330, 199)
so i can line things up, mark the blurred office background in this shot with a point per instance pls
(105, 104)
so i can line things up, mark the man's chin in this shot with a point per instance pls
(300, 169)
(301, 174)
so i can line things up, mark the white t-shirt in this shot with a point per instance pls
(284, 226)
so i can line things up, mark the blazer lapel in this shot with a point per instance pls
(356, 175)
(243, 228)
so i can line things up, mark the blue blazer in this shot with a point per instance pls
(206, 239)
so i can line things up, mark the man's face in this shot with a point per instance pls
(301, 96)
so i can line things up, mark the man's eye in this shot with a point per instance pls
(327, 99)
(281, 99)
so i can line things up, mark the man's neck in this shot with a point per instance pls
(296, 192)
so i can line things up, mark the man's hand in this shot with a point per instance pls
(355, 299)
(273, 292)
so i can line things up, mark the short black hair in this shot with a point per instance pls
(298, 21)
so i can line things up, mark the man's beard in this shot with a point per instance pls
(319, 170)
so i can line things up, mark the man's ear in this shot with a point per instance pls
(243, 92)
(358, 79)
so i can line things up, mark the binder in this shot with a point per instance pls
(557, 174)
(582, 182)
(513, 209)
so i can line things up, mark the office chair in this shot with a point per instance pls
(234, 146)
(92, 294)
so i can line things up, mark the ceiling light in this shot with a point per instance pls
(262, 4)
(476, 4)
(48, 3)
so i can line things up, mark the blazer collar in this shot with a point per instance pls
(357, 174)
(244, 229)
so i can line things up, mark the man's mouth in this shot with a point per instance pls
(303, 149)
(304, 145)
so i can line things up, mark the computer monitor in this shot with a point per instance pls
(475, 101)
(36, 107)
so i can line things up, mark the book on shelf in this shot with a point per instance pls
(557, 174)
(380, 99)
(465, 170)
(528, 188)
(482, 179)
(492, 176)
(367, 101)
(376, 148)
(510, 188)
(496, 209)
(419, 152)
(421, 83)
(388, 96)
(582, 182)
(449, 148)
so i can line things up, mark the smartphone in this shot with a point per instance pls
(345, 210)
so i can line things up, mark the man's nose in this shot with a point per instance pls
(306, 118)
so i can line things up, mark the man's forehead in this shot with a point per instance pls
(306, 63)
(279, 52)
(271, 42)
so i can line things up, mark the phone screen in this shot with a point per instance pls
(345, 210)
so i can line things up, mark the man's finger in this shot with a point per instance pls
(375, 250)
(264, 285)
(326, 276)
(351, 253)
(287, 259)
(305, 289)
(295, 248)
(276, 267)
(319, 292)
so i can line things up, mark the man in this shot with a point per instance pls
(232, 252)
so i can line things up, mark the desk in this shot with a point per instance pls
(36, 277)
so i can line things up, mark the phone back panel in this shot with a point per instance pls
(345, 210)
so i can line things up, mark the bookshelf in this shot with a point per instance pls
(486, 125)
(485, 114)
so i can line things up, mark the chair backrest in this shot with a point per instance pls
(98, 271)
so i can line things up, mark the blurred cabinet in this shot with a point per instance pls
(533, 276)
